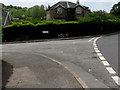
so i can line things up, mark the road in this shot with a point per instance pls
(78, 55)
(108, 45)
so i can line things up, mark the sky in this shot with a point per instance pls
(93, 5)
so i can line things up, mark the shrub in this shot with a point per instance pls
(85, 26)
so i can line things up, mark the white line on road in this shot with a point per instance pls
(99, 54)
(102, 58)
(91, 39)
(110, 70)
(95, 48)
(106, 64)
(98, 51)
(116, 79)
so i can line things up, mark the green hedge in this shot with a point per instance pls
(86, 26)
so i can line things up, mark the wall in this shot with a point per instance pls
(52, 14)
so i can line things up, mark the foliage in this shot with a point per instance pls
(25, 13)
(98, 16)
(71, 14)
(116, 9)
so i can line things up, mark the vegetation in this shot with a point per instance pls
(99, 16)
(32, 23)
(116, 9)
(25, 13)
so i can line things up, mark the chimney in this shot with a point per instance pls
(78, 2)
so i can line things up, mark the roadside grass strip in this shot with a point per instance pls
(106, 63)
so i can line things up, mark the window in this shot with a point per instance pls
(78, 10)
(59, 10)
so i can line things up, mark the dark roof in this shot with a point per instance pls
(4, 16)
(66, 4)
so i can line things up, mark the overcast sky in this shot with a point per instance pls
(94, 5)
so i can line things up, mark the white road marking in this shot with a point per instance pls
(97, 51)
(99, 54)
(91, 39)
(110, 70)
(102, 58)
(95, 48)
(106, 63)
(116, 79)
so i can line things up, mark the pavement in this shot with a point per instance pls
(39, 73)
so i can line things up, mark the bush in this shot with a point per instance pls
(85, 26)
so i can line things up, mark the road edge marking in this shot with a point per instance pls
(80, 81)
(113, 73)
(91, 39)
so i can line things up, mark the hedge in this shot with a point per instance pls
(30, 31)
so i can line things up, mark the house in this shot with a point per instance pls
(5, 18)
(64, 10)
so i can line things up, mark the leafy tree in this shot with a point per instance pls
(116, 9)
(42, 12)
(98, 16)
(36, 12)
(71, 14)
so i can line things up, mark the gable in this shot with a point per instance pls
(60, 10)
(64, 4)
(4, 15)
(59, 5)
(5, 18)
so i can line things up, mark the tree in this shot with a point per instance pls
(42, 12)
(116, 9)
(102, 15)
(71, 14)
(36, 12)
(18, 14)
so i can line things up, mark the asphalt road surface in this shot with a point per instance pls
(78, 55)
(108, 45)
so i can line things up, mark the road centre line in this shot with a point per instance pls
(106, 64)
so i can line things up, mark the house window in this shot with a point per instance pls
(59, 10)
(78, 11)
